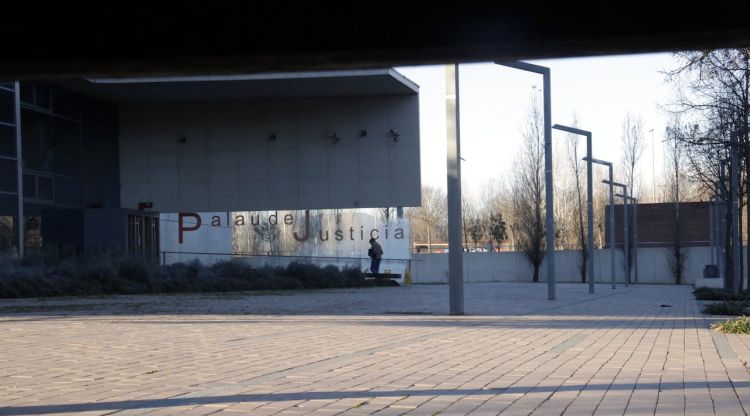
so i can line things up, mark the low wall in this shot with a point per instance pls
(387, 265)
(653, 267)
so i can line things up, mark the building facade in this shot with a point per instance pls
(93, 162)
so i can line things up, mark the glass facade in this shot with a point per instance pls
(69, 160)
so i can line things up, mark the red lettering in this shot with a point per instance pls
(181, 224)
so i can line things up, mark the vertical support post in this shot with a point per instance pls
(712, 236)
(455, 253)
(19, 167)
(723, 245)
(626, 239)
(590, 203)
(612, 254)
(735, 218)
(549, 188)
(726, 212)
(635, 237)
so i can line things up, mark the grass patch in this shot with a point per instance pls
(727, 308)
(739, 325)
(39, 278)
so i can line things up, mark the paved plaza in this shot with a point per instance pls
(385, 351)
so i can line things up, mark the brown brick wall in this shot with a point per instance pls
(655, 223)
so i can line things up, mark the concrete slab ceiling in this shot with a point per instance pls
(243, 87)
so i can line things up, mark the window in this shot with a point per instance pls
(45, 188)
(7, 107)
(7, 141)
(29, 186)
(8, 176)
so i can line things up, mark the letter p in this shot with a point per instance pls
(181, 224)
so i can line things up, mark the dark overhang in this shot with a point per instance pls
(105, 39)
(242, 87)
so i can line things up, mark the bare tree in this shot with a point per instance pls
(432, 214)
(565, 208)
(675, 156)
(576, 167)
(529, 189)
(468, 211)
(713, 93)
(385, 214)
(633, 145)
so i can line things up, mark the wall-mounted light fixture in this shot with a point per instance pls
(394, 134)
(331, 134)
(272, 136)
(363, 133)
(183, 139)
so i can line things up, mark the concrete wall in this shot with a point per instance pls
(653, 267)
(228, 163)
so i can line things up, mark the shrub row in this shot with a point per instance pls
(41, 278)
(727, 308)
(709, 293)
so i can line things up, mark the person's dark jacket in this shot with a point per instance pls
(376, 250)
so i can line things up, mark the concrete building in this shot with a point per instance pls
(98, 159)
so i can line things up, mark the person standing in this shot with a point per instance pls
(376, 253)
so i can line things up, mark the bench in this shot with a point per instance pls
(383, 275)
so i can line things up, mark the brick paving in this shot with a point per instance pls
(381, 351)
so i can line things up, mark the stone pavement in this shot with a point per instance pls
(382, 351)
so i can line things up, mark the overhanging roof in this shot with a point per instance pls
(238, 87)
(64, 39)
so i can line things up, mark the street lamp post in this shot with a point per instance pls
(544, 71)
(589, 196)
(611, 220)
(625, 228)
(653, 168)
(635, 232)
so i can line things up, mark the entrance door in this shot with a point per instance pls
(143, 236)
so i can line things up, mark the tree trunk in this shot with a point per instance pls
(429, 240)
(742, 257)
(536, 273)
(728, 277)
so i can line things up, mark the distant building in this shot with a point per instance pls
(656, 224)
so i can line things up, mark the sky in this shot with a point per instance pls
(494, 99)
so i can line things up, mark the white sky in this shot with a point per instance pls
(494, 100)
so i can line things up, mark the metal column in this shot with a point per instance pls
(735, 218)
(612, 254)
(625, 240)
(549, 188)
(19, 168)
(455, 253)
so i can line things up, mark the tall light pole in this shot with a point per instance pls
(455, 252)
(635, 232)
(625, 240)
(611, 220)
(653, 168)
(589, 197)
(550, 222)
